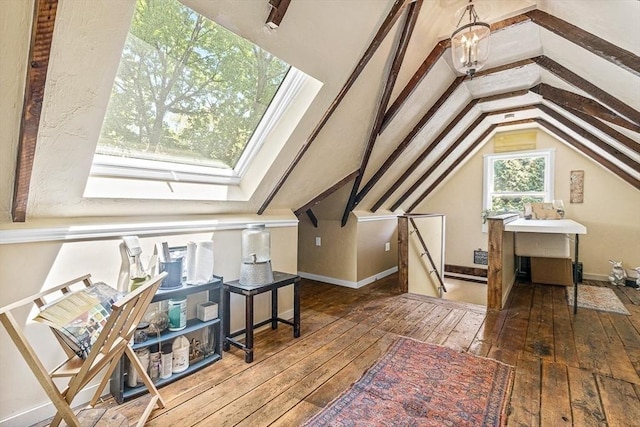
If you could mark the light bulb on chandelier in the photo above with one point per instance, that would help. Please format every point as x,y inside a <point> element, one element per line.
<point>470,43</point>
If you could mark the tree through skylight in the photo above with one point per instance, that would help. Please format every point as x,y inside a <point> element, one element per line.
<point>187,90</point>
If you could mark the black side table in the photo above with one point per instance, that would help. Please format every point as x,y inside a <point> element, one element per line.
<point>248,291</point>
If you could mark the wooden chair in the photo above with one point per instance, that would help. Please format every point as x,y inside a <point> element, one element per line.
<point>105,353</point>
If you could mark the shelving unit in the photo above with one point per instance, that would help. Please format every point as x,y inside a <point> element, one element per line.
<point>119,388</point>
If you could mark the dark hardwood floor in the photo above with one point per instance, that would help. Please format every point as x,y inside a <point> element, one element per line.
<point>578,370</point>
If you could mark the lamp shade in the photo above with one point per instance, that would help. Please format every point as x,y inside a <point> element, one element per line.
<point>470,44</point>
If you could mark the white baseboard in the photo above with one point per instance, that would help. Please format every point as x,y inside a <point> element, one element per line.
<point>48,410</point>
<point>347,283</point>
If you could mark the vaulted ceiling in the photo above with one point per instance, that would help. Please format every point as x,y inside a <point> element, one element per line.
<point>525,88</point>
<point>393,119</point>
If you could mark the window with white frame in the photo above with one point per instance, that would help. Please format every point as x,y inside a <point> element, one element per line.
<point>512,179</point>
<point>191,101</point>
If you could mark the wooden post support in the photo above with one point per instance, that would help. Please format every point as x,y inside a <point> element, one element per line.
<point>494,272</point>
<point>403,253</point>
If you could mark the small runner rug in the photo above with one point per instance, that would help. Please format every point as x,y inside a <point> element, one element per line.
<point>420,384</point>
<point>597,298</point>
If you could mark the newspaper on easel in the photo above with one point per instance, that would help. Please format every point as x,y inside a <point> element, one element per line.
<point>78,317</point>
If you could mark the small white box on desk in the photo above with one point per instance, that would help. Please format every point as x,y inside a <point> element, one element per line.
<point>207,311</point>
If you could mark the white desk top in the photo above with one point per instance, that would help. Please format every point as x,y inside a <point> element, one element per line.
<point>546,226</point>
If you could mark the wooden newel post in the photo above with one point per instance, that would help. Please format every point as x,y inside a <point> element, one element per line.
<point>403,253</point>
<point>494,270</point>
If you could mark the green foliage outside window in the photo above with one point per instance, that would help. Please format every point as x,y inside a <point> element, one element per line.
<point>519,175</point>
<point>517,181</point>
<point>187,90</point>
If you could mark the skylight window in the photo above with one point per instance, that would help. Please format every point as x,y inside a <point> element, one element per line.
<point>191,100</point>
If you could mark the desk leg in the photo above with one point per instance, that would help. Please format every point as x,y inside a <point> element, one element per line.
<point>296,309</point>
<point>575,278</point>
<point>226,319</point>
<point>274,308</point>
<point>248,340</point>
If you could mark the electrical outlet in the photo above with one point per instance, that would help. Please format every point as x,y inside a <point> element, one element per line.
<point>318,241</point>
<point>387,247</point>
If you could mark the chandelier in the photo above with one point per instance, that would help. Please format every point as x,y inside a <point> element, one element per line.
<point>470,43</point>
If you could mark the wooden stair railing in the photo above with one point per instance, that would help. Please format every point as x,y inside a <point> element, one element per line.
<point>404,252</point>
<point>426,252</point>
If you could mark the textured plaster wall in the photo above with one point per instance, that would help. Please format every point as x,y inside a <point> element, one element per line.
<point>372,257</point>
<point>336,257</point>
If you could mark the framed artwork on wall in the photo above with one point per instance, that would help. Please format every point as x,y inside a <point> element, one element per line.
<point>576,187</point>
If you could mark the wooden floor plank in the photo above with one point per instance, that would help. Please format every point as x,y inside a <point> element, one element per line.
<point>585,402</point>
<point>514,333</point>
<point>564,344</point>
<point>350,344</point>
<point>464,332</point>
<point>270,412</point>
<point>540,338</point>
<point>441,332</point>
<point>413,318</point>
<point>427,324</point>
<point>488,333</point>
<point>616,354</point>
<point>350,374</point>
<point>201,405</point>
<point>524,406</point>
<point>591,341</point>
<point>619,400</point>
<point>555,406</point>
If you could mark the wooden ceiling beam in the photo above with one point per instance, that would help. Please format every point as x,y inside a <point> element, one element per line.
<point>513,109</point>
<point>594,44</point>
<point>420,158</point>
<point>501,68</point>
<point>450,150</point>
<point>452,167</point>
<point>438,162</point>
<point>540,88</point>
<point>415,80</point>
<point>461,160</point>
<point>618,136</point>
<point>567,99</point>
<point>392,74</point>
<point>565,122</point>
<point>621,173</point>
<point>385,27</point>
<point>376,177</point>
<point>278,9</point>
<point>621,157</point>
<point>505,95</point>
<point>439,49</point>
<point>43,23</point>
<point>592,90</point>
<point>312,218</point>
<point>326,193</point>
<point>409,138</point>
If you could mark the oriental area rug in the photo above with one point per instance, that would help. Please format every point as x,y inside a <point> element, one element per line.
<point>420,384</point>
<point>597,298</point>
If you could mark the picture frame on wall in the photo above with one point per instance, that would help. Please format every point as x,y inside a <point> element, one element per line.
<point>576,186</point>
